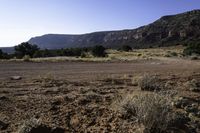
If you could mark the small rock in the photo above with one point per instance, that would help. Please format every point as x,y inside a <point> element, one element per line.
<point>15,77</point>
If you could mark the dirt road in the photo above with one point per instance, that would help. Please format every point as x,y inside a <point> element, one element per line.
<point>93,70</point>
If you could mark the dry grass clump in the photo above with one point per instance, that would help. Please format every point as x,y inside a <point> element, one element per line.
<point>150,83</point>
<point>193,85</point>
<point>149,109</point>
<point>26,58</point>
<point>33,126</point>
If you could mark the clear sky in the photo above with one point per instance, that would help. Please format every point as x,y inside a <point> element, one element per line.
<point>22,19</point>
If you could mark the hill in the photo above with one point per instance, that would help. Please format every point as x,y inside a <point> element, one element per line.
<point>168,30</point>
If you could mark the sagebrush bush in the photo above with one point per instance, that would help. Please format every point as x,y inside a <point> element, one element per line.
<point>28,125</point>
<point>150,109</point>
<point>150,83</point>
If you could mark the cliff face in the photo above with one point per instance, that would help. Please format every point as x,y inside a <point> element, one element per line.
<point>168,30</point>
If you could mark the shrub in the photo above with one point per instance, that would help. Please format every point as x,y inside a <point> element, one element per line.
<point>193,48</point>
<point>26,58</point>
<point>174,54</point>
<point>1,54</point>
<point>33,126</point>
<point>98,51</point>
<point>126,48</point>
<point>25,49</point>
<point>150,83</point>
<point>83,55</point>
<point>152,110</point>
<point>194,57</point>
<point>4,55</point>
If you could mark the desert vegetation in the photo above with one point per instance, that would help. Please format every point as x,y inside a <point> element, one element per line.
<point>125,53</point>
<point>192,49</point>
<point>33,51</point>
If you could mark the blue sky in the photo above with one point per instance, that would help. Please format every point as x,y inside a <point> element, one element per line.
<point>22,19</point>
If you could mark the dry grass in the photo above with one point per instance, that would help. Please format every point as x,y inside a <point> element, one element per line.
<point>28,125</point>
<point>150,83</point>
<point>149,109</point>
<point>114,55</point>
<point>175,51</point>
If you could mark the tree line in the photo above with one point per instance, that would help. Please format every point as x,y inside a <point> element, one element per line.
<point>33,51</point>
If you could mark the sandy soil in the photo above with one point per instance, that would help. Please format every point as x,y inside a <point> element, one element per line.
<point>78,96</point>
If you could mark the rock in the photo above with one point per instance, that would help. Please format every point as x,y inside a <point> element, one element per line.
<point>3,126</point>
<point>15,77</point>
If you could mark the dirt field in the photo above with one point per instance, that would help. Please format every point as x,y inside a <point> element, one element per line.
<point>78,96</point>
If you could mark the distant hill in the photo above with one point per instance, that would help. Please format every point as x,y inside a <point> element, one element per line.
<point>8,50</point>
<point>166,31</point>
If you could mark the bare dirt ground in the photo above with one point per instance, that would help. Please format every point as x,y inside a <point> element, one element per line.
<point>78,96</point>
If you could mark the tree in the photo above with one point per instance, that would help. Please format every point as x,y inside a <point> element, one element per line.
<point>4,55</point>
<point>25,49</point>
<point>126,48</point>
<point>1,54</point>
<point>193,48</point>
<point>98,51</point>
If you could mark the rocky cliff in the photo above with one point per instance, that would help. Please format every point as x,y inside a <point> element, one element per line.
<point>168,30</point>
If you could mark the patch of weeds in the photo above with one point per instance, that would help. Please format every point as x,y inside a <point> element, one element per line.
<point>152,110</point>
<point>150,83</point>
<point>33,126</point>
<point>193,85</point>
<point>26,58</point>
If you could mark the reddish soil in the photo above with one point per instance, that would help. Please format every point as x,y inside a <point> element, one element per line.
<point>77,96</point>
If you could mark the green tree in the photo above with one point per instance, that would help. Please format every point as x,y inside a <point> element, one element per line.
<point>25,49</point>
<point>1,54</point>
<point>4,55</point>
<point>193,48</point>
<point>126,48</point>
<point>98,51</point>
